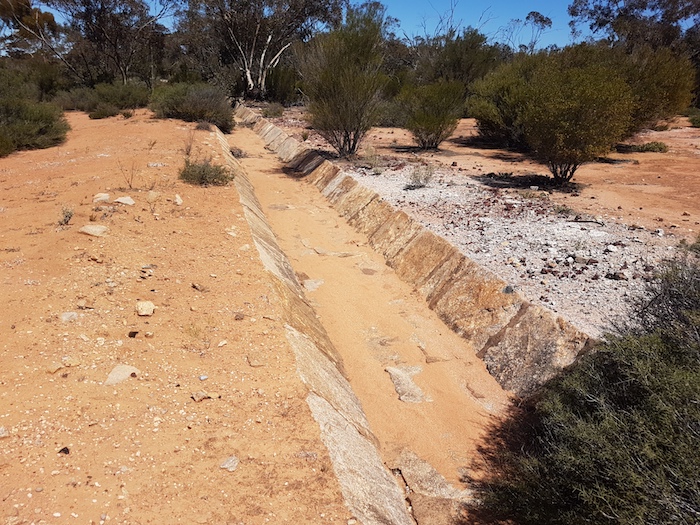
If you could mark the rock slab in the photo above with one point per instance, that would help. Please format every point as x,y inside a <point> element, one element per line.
<point>94,230</point>
<point>121,373</point>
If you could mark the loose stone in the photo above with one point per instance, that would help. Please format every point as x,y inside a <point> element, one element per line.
<point>230,464</point>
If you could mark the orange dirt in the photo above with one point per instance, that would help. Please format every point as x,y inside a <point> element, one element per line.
<point>73,450</point>
<point>144,451</point>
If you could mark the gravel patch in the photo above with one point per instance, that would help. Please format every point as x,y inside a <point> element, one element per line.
<point>581,267</point>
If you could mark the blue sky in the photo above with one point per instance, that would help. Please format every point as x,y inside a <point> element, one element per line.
<point>490,17</point>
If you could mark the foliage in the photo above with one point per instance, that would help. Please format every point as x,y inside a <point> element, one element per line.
<point>574,114</point>
<point>647,147</point>
<point>103,111</point>
<point>419,177</point>
<point>497,101</point>
<point>25,21</point>
<point>662,83</point>
<point>193,103</point>
<point>251,37</point>
<point>661,80</point>
<point>101,40</point>
<point>342,78</point>
<point>634,22</point>
<point>615,439</point>
<point>78,99</point>
<point>572,105</point>
<point>282,85</point>
<point>695,247</point>
<point>205,173</point>
<point>26,124</point>
<point>104,100</point>
<point>463,57</point>
<point>123,96</point>
<point>113,39</point>
<point>433,111</point>
<point>273,110</point>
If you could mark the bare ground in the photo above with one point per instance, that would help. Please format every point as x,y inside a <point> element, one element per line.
<point>216,377</point>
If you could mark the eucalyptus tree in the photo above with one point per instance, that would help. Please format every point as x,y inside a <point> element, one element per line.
<point>252,36</point>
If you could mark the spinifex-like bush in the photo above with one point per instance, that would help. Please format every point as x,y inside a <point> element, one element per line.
<point>205,173</point>
<point>26,124</point>
<point>433,111</point>
<point>194,103</point>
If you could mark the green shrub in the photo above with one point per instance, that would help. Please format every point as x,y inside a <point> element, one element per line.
<point>205,173</point>
<point>7,145</point>
<point>574,114</point>
<point>695,120</point>
<point>497,101</point>
<point>615,439</point>
<point>121,96</point>
<point>391,114</point>
<point>433,111</point>
<point>117,96</point>
<point>30,125</point>
<point>662,83</point>
<point>15,83</point>
<point>193,103</point>
<point>77,99</point>
<point>273,110</point>
<point>647,147</point>
<point>104,111</point>
<point>695,247</point>
<point>281,85</point>
<point>342,78</point>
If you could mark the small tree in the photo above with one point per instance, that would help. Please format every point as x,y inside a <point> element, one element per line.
<point>574,114</point>
<point>433,111</point>
<point>342,78</point>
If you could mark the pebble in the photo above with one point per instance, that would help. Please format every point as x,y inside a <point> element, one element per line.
<point>200,396</point>
<point>67,317</point>
<point>121,373</point>
<point>128,201</point>
<point>145,308</point>
<point>203,378</point>
<point>101,197</point>
<point>4,433</point>
<point>54,367</point>
<point>177,200</point>
<point>94,230</point>
<point>230,464</point>
<point>152,196</point>
<point>254,363</point>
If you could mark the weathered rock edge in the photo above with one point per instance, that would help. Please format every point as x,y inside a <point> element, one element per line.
<point>370,490</point>
<point>523,345</point>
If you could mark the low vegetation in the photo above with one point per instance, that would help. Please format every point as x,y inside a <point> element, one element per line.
<point>27,122</point>
<point>432,111</point>
<point>194,103</point>
<point>104,100</point>
<point>647,147</point>
<point>204,173</point>
<point>615,439</point>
